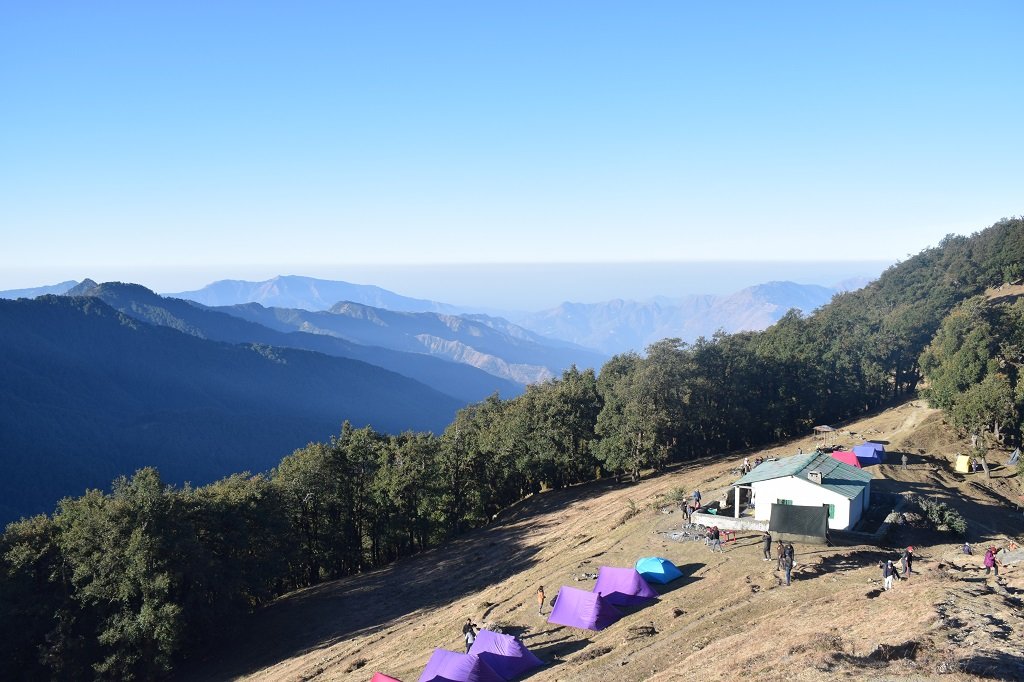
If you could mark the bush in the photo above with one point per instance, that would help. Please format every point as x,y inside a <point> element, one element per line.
<point>677,495</point>
<point>942,516</point>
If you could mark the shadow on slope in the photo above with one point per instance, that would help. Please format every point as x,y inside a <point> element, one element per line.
<point>323,615</point>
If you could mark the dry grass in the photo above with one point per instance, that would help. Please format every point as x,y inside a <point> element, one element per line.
<point>729,617</point>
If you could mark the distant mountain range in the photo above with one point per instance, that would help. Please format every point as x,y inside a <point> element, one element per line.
<point>61,288</point>
<point>584,333</point>
<point>460,380</point>
<point>491,344</point>
<point>617,326</point>
<point>308,293</point>
<point>90,393</point>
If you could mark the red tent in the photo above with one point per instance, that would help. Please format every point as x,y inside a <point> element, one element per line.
<point>847,457</point>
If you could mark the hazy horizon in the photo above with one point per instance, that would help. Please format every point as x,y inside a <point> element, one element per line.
<point>499,286</point>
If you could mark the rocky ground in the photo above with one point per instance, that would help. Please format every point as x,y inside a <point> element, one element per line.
<point>729,616</point>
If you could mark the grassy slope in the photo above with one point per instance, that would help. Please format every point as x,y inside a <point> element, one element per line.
<point>730,615</point>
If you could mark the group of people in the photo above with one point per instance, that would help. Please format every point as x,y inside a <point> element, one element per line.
<point>692,505</point>
<point>787,556</point>
<point>891,573</point>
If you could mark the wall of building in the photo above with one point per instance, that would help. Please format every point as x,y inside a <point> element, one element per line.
<point>803,492</point>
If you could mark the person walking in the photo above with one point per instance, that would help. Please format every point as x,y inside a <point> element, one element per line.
<point>767,546</point>
<point>888,571</point>
<point>469,633</point>
<point>716,539</point>
<point>540,600</point>
<point>990,561</point>
<point>907,561</point>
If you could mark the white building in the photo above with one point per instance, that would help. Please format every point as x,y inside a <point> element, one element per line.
<point>809,480</point>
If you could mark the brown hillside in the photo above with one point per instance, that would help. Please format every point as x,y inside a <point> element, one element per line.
<point>729,617</point>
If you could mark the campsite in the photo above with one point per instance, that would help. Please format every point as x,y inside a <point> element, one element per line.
<point>727,614</point>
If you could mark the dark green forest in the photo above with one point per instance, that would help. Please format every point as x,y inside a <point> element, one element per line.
<point>131,583</point>
<point>89,393</point>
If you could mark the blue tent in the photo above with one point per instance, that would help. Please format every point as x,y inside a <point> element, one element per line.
<point>869,453</point>
<point>655,569</point>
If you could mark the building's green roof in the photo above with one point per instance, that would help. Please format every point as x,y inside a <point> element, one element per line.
<point>836,476</point>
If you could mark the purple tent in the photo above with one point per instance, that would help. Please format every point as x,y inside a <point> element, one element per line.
<point>505,654</point>
<point>580,609</point>
<point>869,453</point>
<point>623,586</point>
<point>450,666</point>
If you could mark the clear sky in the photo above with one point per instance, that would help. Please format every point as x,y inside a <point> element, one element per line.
<point>230,138</point>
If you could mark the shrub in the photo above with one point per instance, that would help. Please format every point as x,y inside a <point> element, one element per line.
<point>942,516</point>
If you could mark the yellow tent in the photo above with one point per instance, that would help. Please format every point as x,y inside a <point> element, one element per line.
<point>963,464</point>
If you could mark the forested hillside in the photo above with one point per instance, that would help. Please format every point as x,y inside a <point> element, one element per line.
<point>75,601</point>
<point>89,393</point>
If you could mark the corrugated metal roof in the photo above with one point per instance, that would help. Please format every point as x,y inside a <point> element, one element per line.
<point>836,476</point>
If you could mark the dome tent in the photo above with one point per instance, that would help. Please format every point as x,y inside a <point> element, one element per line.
<point>656,569</point>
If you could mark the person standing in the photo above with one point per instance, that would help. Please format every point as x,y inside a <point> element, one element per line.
<point>469,633</point>
<point>767,546</point>
<point>540,600</point>
<point>990,561</point>
<point>782,555</point>
<point>888,570</point>
<point>904,460</point>
<point>907,561</point>
<point>787,566</point>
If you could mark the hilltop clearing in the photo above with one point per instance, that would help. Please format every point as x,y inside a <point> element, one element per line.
<point>729,615</point>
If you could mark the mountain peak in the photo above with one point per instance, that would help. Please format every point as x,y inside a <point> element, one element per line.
<point>82,288</point>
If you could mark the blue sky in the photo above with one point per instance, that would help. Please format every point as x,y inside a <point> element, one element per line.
<point>174,143</point>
